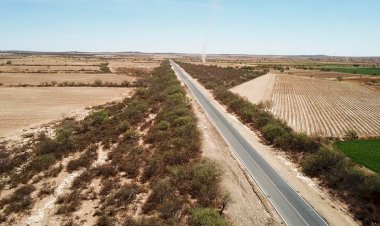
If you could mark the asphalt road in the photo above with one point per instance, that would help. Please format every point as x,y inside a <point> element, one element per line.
<point>292,208</point>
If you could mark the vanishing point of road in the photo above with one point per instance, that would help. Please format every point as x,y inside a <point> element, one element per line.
<point>292,208</point>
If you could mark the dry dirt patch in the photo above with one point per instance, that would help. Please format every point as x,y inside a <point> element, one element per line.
<point>36,79</point>
<point>24,107</point>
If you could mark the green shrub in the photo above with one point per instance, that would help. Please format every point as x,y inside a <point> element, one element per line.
<point>163,125</point>
<point>323,162</point>
<point>206,217</point>
<point>65,139</point>
<point>98,117</point>
<point>124,126</point>
<point>272,131</point>
<point>161,190</point>
<point>46,145</point>
<point>131,135</point>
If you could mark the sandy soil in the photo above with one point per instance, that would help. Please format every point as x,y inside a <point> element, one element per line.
<point>367,82</point>
<point>334,212</point>
<point>43,212</point>
<point>38,78</point>
<point>319,106</point>
<point>262,87</point>
<point>23,108</point>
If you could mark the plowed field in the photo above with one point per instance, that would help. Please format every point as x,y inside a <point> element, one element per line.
<point>317,106</point>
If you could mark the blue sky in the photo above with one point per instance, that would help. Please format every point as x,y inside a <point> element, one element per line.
<point>334,27</point>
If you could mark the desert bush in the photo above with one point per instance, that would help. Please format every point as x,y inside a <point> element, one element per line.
<point>69,203</point>
<point>163,125</point>
<point>46,145</point>
<point>323,162</point>
<point>1,84</point>
<point>136,72</point>
<point>131,135</point>
<point>98,83</point>
<point>124,195</point>
<point>273,130</point>
<point>171,208</point>
<point>9,162</point>
<point>104,220</point>
<point>40,163</point>
<point>20,200</point>
<point>83,179</point>
<point>46,190</point>
<point>8,62</point>
<point>206,217</point>
<point>161,190</point>
<point>103,68</point>
<point>299,142</point>
<point>350,135</point>
<point>97,118</point>
<point>124,126</point>
<point>104,171</point>
<point>83,161</point>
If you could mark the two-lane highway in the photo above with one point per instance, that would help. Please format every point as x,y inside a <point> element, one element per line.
<point>292,208</point>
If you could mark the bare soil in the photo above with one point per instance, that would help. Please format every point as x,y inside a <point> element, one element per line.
<point>320,74</point>
<point>38,78</point>
<point>25,107</point>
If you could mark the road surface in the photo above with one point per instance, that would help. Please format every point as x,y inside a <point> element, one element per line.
<point>292,208</point>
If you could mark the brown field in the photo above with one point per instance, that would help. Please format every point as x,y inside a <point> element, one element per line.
<point>318,106</point>
<point>38,78</point>
<point>75,63</point>
<point>22,107</point>
<point>320,74</point>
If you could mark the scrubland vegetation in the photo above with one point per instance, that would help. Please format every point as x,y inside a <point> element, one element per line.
<point>96,83</point>
<point>359,188</point>
<point>153,173</point>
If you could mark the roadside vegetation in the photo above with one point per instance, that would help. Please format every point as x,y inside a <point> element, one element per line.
<point>359,188</point>
<point>143,153</point>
